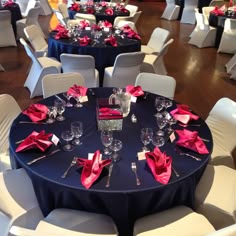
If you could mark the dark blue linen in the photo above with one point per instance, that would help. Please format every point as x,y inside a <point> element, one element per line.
<point>124,201</point>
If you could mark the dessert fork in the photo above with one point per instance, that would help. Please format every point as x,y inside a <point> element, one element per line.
<point>134,169</point>
<point>73,162</point>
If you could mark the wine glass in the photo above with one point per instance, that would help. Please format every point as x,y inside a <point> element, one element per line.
<point>106,138</point>
<point>146,137</point>
<point>161,123</point>
<point>52,113</point>
<point>158,141</point>
<point>78,104</point>
<point>60,106</point>
<point>171,121</point>
<point>116,146</point>
<point>67,136</point>
<point>158,105</point>
<point>77,130</point>
<point>68,97</point>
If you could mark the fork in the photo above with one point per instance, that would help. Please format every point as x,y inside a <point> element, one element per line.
<point>189,155</point>
<point>186,125</point>
<point>73,162</point>
<point>134,169</point>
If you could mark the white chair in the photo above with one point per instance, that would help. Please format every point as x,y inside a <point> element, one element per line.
<point>228,39</point>
<point>132,9</point>
<point>7,37</point>
<point>155,63</point>
<point>9,111</point>
<point>218,3</point>
<point>83,16</point>
<point>156,41</point>
<point>174,221</point>
<point>30,4</point>
<point>188,15</point>
<point>45,8</point>
<point>31,19</point>
<point>18,203</point>
<point>123,23</point>
<point>58,83</point>
<point>206,12</point>
<point>215,196</point>
<point>62,7</point>
<point>158,84</point>
<point>125,70</point>
<point>203,35</point>
<point>231,64</point>
<point>59,17</point>
<point>83,64</point>
<point>22,4</point>
<point>40,66</point>
<point>39,44</point>
<point>222,123</point>
<point>171,11</point>
<point>67,222</point>
<point>134,18</point>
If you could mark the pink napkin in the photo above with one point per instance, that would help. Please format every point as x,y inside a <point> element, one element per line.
<point>36,112</point>
<point>77,91</point>
<point>218,12</point>
<point>160,165</point>
<point>111,40</point>
<point>135,91</point>
<point>75,7</point>
<point>90,10</point>
<point>96,27</point>
<point>104,3</point>
<point>35,141</point>
<point>106,24</point>
<point>9,3</point>
<point>106,113</point>
<point>231,3</point>
<point>130,33</point>
<point>183,114</point>
<point>91,169</point>
<point>109,11</point>
<point>84,41</point>
<point>84,23</point>
<point>62,32</point>
<point>191,140</point>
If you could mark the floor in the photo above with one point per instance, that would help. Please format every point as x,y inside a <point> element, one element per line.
<point>200,73</point>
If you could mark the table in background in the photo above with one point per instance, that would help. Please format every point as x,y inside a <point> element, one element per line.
<point>15,14</point>
<point>104,55</point>
<point>124,201</point>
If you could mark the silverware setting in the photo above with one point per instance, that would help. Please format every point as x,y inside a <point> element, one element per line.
<point>109,175</point>
<point>134,169</point>
<point>175,171</point>
<point>189,155</point>
<point>186,125</point>
<point>91,91</point>
<point>73,162</point>
<point>31,122</point>
<point>145,96</point>
<point>39,158</point>
<point>205,140</point>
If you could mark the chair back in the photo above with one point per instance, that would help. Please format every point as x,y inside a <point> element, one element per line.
<point>218,3</point>
<point>132,9</point>
<point>201,21</point>
<point>230,25</point>
<point>83,64</point>
<point>83,16</point>
<point>123,23</point>
<point>206,12</point>
<point>191,4</point>
<point>9,111</point>
<point>59,16</point>
<point>158,84</point>
<point>58,83</point>
<point>170,2</point>
<point>158,38</point>
<point>62,7</point>
<point>33,34</point>
<point>136,16</point>
<point>32,17</point>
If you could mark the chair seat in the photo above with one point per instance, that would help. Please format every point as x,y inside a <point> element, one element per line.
<point>48,61</point>
<point>148,50</point>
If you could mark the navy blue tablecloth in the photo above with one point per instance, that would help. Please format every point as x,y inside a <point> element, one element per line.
<point>104,55</point>
<point>124,201</point>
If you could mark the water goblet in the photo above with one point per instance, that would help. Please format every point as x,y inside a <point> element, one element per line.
<point>171,121</point>
<point>77,130</point>
<point>67,136</point>
<point>158,141</point>
<point>52,113</point>
<point>60,106</point>
<point>146,137</point>
<point>158,105</point>
<point>106,138</point>
<point>78,103</point>
<point>68,97</point>
<point>116,146</point>
<point>161,123</point>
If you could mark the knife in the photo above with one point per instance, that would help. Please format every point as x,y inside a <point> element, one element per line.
<point>109,175</point>
<point>39,158</point>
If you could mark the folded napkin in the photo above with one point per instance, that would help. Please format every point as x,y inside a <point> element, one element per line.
<point>106,113</point>
<point>111,40</point>
<point>191,140</point>
<point>218,11</point>
<point>84,41</point>
<point>160,165</point>
<point>62,32</point>
<point>104,3</point>
<point>135,91</point>
<point>35,141</point>
<point>9,3</point>
<point>75,7</point>
<point>122,9</point>
<point>106,24</point>
<point>182,113</point>
<point>96,27</point>
<point>77,91</point>
<point>109,11</point>
<point>133,35</point>
<point>91,169</point>
<point>36,112</point>
<point>84,23</point>
<point>90,10</point>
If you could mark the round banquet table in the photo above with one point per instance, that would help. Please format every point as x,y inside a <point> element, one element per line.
<point>124,201</point>
<point>104,55</point>
<point>101,15</point>
<point>15,14</point>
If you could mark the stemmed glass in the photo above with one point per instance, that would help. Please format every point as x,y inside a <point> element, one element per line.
<point>158,105</point>
<point>158,141</point>
<point>106,138</point>
<point>52,113</point>
<point>116,146</point>
<point>67,136</point>
<point>77,130</point>
<point>146,137</point>
<point>161,123</point>
<point>68,97</point>
<point>60,106</point>
<point>78,104</point>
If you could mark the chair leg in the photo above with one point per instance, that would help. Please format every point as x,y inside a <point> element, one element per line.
<point>1,68</point>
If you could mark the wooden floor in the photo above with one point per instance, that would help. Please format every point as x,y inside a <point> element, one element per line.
<point>200,73</point>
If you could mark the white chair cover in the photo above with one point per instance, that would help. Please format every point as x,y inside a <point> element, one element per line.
<point>83,16</point>
<point>58,83</point>
<point>132,9</point>
<point>83,64</point>
<point>123,23</point>
<point>158,84</point>
<point>188,15</point>
<point>125,70</point>
<point>30,4</point>
<point>7,37</point>
<point>218,3</point>
<point>231,64</point>
<point>60,17</point>
<point>45,8</point>
<point>171,11</point>
<point>62,7</point>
